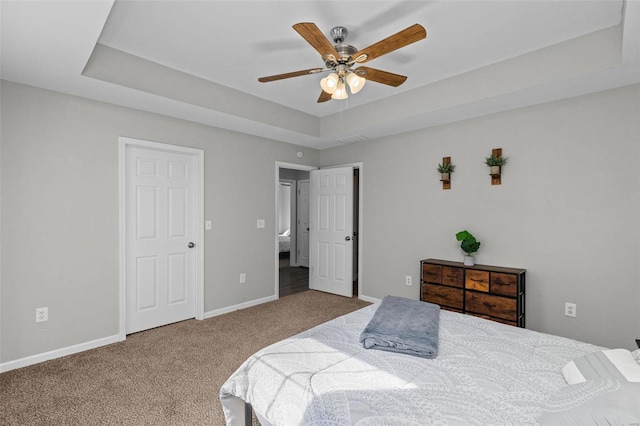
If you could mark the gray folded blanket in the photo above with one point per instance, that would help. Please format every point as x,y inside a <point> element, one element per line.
<point>404,326</point>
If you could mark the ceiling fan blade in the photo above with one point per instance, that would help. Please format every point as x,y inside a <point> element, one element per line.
<point>380,76</point>
<point>324,97</point>
<point>289,75</point>
<point>310,32</point>
<point>405,37</point>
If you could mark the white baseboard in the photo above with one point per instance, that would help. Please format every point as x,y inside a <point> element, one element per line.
<point>243,305</point>
<point>370,299</point>
<point>58,353</point>
<point>69,350</point>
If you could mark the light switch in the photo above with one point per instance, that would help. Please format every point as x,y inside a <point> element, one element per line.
<point>207,225</point>
<point>260,223</point>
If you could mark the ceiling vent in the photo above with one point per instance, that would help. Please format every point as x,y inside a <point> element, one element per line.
<point>352,139</point>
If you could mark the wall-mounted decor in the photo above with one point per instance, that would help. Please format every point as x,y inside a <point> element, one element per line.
<point>445,169</point>
<point>495,163</point>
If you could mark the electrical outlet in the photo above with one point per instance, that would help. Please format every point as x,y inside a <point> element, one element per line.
<point>243,278</point>
<point>207,225</point>
<point>42,314</point>
<point>570,309</point>
<point>260,223</point>
<point>407,280</point>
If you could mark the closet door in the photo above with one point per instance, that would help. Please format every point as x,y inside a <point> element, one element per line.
<point>161,235</point>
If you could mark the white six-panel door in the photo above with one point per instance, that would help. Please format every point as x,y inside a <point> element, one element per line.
<point>331,231</point>
<point>161,224</point>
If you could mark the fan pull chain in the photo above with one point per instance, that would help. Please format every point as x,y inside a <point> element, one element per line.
<point>346,101</point>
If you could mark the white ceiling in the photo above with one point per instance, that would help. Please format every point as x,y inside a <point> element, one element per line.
<point>230,44</point>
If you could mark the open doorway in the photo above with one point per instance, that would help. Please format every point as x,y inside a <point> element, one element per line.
<point>293,231</point>
<point>291,266</point>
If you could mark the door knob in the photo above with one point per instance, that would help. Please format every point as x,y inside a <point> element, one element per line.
<point>347,238</point>
<point>191,245</point>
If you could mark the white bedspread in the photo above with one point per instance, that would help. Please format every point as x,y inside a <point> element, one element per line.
<point>485,373</point>
<point>284,243</point>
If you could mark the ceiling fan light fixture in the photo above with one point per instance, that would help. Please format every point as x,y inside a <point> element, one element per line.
<point>355,82</point>
<point>339,58</point>
<point>330,83</point>
<point>341,91</point>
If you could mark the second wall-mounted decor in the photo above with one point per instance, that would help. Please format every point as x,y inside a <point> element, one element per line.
<point>495,163</point>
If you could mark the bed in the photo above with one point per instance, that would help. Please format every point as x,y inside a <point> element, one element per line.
<point>284,242</point>
<point>484,373</point>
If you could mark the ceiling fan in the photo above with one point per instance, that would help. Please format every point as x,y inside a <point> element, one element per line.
<point>341,58</point>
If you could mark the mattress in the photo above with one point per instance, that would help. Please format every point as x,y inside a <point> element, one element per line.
<point>485,373</point>
<point>284,243</point>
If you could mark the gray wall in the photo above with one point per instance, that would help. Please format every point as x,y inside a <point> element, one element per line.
<point>59,214</point>
<point>293,174</point>
<point>560,213</point>
<point>567,210</point>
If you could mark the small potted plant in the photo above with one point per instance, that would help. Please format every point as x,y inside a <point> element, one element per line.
<point>495,163</point>
<point>445,170</point>
<point>469,245</point>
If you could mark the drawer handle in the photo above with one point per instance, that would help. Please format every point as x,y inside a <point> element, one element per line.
<point>488,305</point>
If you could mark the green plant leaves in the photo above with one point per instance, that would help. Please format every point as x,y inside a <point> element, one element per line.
<point>446,168</point>
<point>468,244</point>
<point>494,160</point>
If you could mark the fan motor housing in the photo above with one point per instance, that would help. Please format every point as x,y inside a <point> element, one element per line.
<point>346,52</point>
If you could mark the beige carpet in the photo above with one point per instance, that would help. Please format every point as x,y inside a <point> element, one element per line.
<point>166,376</point>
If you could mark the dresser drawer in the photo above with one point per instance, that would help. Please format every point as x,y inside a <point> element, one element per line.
<point>477,280</point>
<point>453,276</point>
<point>495,306</point>
<point>432,273</point>
<point>442,295</point>
<point>505,284</point>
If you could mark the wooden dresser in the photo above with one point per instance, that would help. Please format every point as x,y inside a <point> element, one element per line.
<point>491,292</point>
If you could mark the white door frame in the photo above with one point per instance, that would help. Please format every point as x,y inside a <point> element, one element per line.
<point>125,142</point>
<point>360,167</point>
<point>283,165</point>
